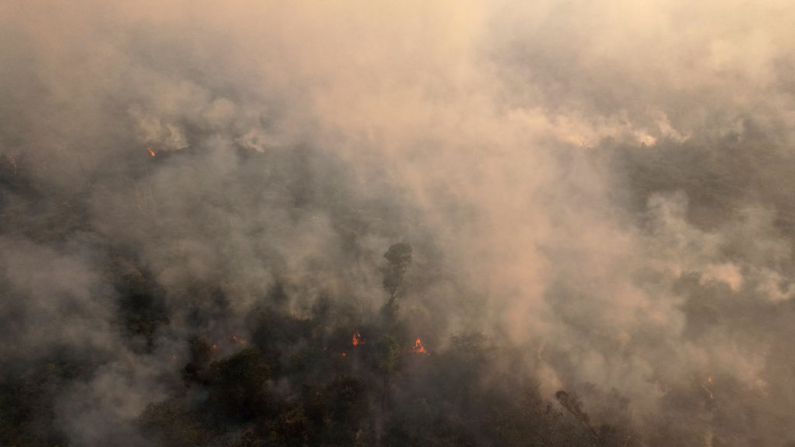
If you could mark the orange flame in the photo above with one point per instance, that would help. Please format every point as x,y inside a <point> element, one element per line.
<point>151,151</point>
<point>419,348</point>
<point>215,346</point>
<point>709,379</point>
<point>357,339</point>
<point>343,354</point>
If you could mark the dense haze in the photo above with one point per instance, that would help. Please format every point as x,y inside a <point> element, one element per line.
<point>600,192</point>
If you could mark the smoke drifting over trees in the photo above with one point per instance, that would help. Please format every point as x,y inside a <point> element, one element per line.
<point>414,223</point>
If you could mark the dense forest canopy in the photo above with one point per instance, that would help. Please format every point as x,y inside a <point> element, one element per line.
<point>351,223</point>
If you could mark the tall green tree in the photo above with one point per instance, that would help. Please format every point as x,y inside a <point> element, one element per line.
<point>398,260</point>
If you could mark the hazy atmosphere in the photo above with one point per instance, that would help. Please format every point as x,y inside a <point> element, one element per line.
<point>416,223</point>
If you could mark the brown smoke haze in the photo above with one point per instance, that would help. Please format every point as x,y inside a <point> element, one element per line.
<point>606,190</point>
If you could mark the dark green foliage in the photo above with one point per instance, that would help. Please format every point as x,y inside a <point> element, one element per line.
<point>27,416</point>
<point>349,398</point>
<point>386,356</point>
<point>249,439</point>
<point>398,259</point>
<point>200,355</point>
<point>290,428</point>
<point>238,385</point>
<point>170,423</point>
<point>141,303</point>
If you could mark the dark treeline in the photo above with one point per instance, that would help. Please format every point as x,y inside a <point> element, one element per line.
<point>335,377</point>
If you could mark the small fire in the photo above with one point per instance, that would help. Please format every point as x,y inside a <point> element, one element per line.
<point>343,354</point>
<point>709,392</point>
<point>357,339</point>
<point>236,340</point>
<point>419,348</point>
<point>151,151</point>
<point>215,346</point>
<point>325,347</point>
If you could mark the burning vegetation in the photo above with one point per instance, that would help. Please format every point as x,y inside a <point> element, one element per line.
<point>419,348</point>
<point>357,339</point>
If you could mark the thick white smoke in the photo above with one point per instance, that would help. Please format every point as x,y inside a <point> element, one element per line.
<point>611,180</point>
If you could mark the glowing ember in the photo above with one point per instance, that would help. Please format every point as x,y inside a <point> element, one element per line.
<point>151,151</point>
<point>419,348</point>
<point>357,339</point>
<point>215,346</point>
<point>709,379</point>
<point>343,354</point>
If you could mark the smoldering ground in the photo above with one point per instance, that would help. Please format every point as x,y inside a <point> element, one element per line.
<point>602,190</point>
